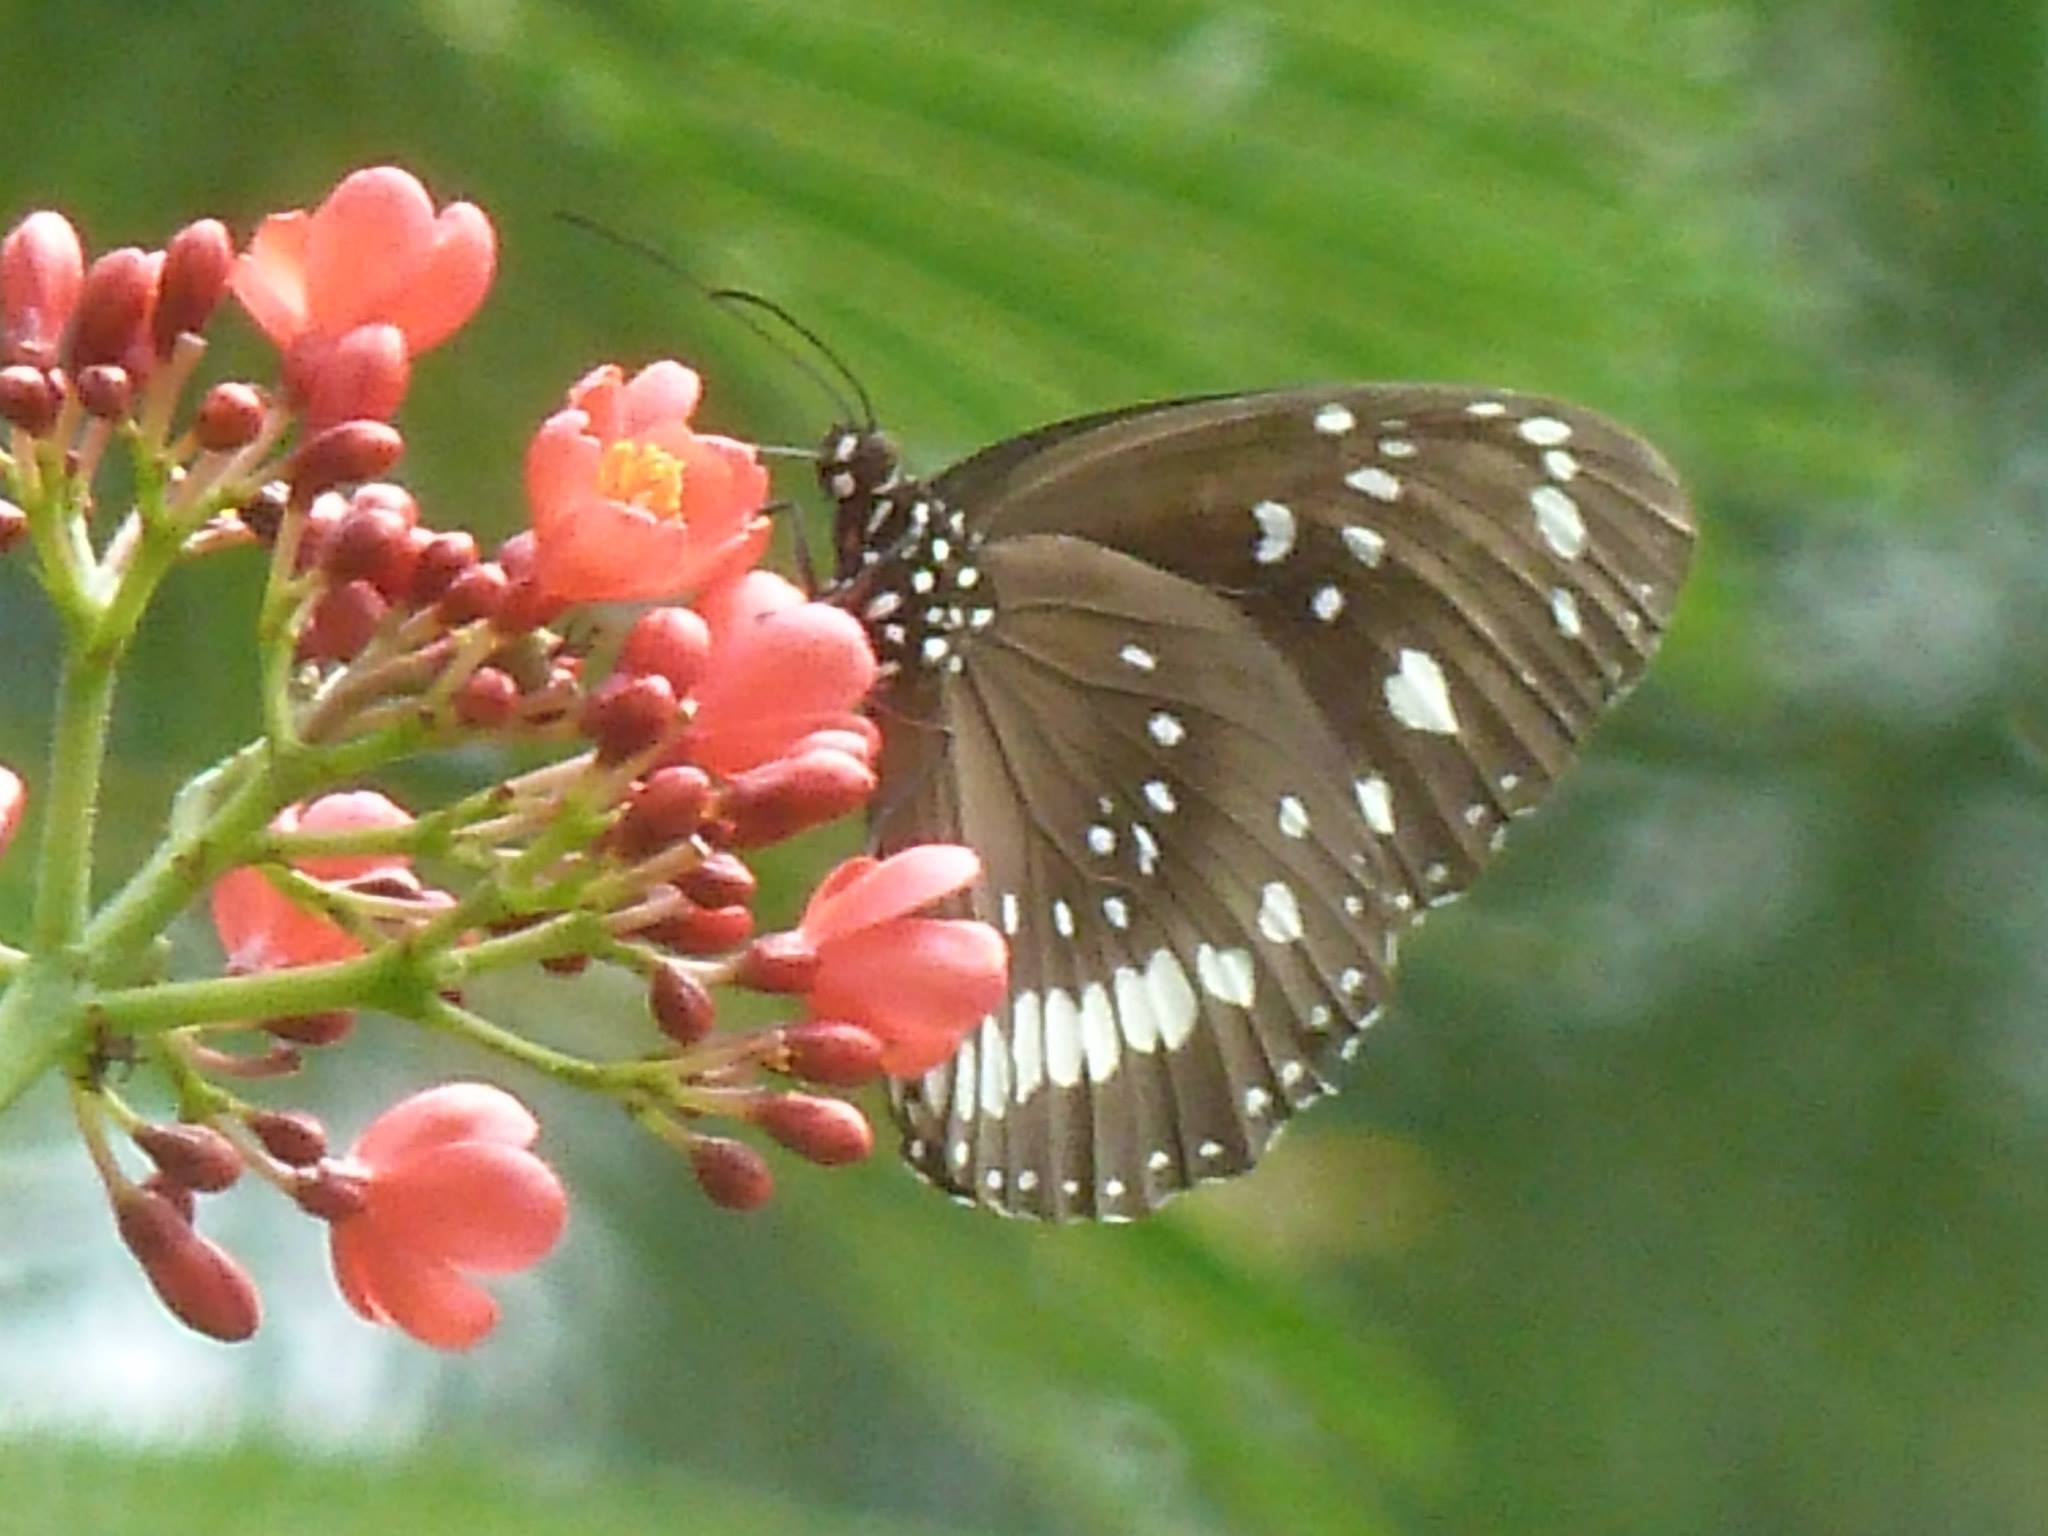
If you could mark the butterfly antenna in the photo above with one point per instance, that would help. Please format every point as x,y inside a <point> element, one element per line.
<point>742,296</point>
<point>828,383</point>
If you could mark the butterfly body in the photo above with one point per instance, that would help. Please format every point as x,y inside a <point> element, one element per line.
<point>1227,693</point>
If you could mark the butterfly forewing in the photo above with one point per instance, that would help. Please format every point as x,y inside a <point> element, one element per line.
<point>1226,693</point>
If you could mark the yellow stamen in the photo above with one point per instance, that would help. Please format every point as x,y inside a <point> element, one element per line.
<point>648,477</point>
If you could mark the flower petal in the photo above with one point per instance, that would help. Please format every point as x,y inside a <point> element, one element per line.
<point>453,1112</point>
<point>898,886</point>
<point>367,244</point>
<point>346,1245</point>
<point>773,679</point>
<point>262,929</point>
<point>477,1205</point>
<point>452,281</point>
<point>432,1301</point>
<point>910,978</point>
<point>360,810</point>
<point>270,277</point>
<point>661,393</point>
<point>562,465</point>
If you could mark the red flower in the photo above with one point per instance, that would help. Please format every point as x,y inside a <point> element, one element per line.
<point>629,503</point>
<point>448,1189</point>
<point>369,280</point>
<point>782,669</point>
<point>918,984</point>
<point>262,929</point>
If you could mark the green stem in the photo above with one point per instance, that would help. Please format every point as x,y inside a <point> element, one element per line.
<point>607,1077</point>
<point>373,980</point>
<point>85,699</point>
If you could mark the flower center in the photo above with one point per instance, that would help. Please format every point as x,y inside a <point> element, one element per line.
<point>643,476</point>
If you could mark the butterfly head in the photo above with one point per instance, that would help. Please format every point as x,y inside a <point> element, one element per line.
<point>858,467</point>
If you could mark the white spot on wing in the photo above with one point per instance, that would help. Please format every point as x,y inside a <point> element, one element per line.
<point>1137,656</point>
<point>1159,795</point>
<point>1027,1044</point>
<point>1293,817</point>
<point>1373,481</point>
<point>1100,1045</point>
<point>995,1071</point>
<point>1012,914</point>
<point>1276,532</point>
<point>1063,1055</point>
<point>1334,420</point>
<point>1376,804</point>
<point>1486,408</point>
<point>1147,846</point>
<point>1063,918</point>
<point>1326,604</point>
<point>1166,729</point>
<point>1174,1005</point>
<point>1418,696</point>
<point>1117,912</point>
<point>1226,974</point>
<point>1279,913</point>
<point>1368,546</point>
<point>1558,520</point>
<point>1101,840</point>
<point>1565,609</point>
<point>1560,465</point>
<point>1544,431</point>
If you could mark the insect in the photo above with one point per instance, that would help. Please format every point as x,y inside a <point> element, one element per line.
<point>1228,693</point>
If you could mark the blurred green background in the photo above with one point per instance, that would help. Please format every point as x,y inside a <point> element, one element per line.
<point>1697,1183</point>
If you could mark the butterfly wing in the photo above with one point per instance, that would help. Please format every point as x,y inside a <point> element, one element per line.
<point>1264,678</point>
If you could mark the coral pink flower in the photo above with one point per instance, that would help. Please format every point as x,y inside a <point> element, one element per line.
<point>629,503</point>
<point>262,929</point>
<point>918,984</point>
<point>449,1189</point>
<point>42,270</point>
<point>782,668</point>
<point>367,281</point>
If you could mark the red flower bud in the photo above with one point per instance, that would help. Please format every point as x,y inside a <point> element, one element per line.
<point>791,794</point>
<point>197,1156</point>
<point>113,307</point>
<point>681,1004</point>
<point>313,1028</point>
<point>342,621</point>
<point>42,268</point>
<point>779,962</point>
<point>674,642</point>
<point>667,807</point>
<point>195,274</point>
<point>353,450</point>
<point>331,1192</point>
<point>702,930</point>
<point>842,1055</point>
<point>830,1132</point>
<point>362,375</point>
<point>443,558</point>
<point>731,1173</point>
<point>292,1136</point>
<point>476,593</point>
<point>104,390</point>
<point>629,715</point>
<point>185,1202</point>
<point>722,880</point>
<point>487,698</point>
<point>203,1287</point>
<point>28,398</point>
<point>229,417</point>
<point>371,543</point>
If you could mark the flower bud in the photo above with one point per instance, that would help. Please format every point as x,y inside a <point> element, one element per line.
<point>702,930</point>
<point>181,1198</point>
<point>13,524</point>
<point>681,1004</point>
<point>293,1137</point>
<point>104,391</point>
<point>371,543</point>
<point>197,1156</point>
<point>229,417</point>
<point>363,376</point>
<point>667,807</point>
<point>203,1287</point>
<point>629,715</point>
<point>841,1055</point>
<point>330,1191</point>
<point>476,593</point>
<point>721,880</point>
<point>113,307</point>
<point>28,399</point>
<point>673,642</point>
<point>837,739</point>
<point>342,621</point>
<point>792,794</point>
<point>779,962</point>
<point>731,1173</point>
<point>488,697</point>
<point>13,801</point>
<point>350,451</point>
<point>313,1028</point>
<point>42,269</point>
<point>830,1132</point>
<point>195,274</point>
<point>443,558</point>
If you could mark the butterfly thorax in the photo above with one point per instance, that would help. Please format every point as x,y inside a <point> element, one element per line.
<point>904,561</point>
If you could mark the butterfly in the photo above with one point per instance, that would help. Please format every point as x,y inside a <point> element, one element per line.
<point>1228,693</point>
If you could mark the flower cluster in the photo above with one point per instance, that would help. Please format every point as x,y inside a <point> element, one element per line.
<point>721,717</point>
